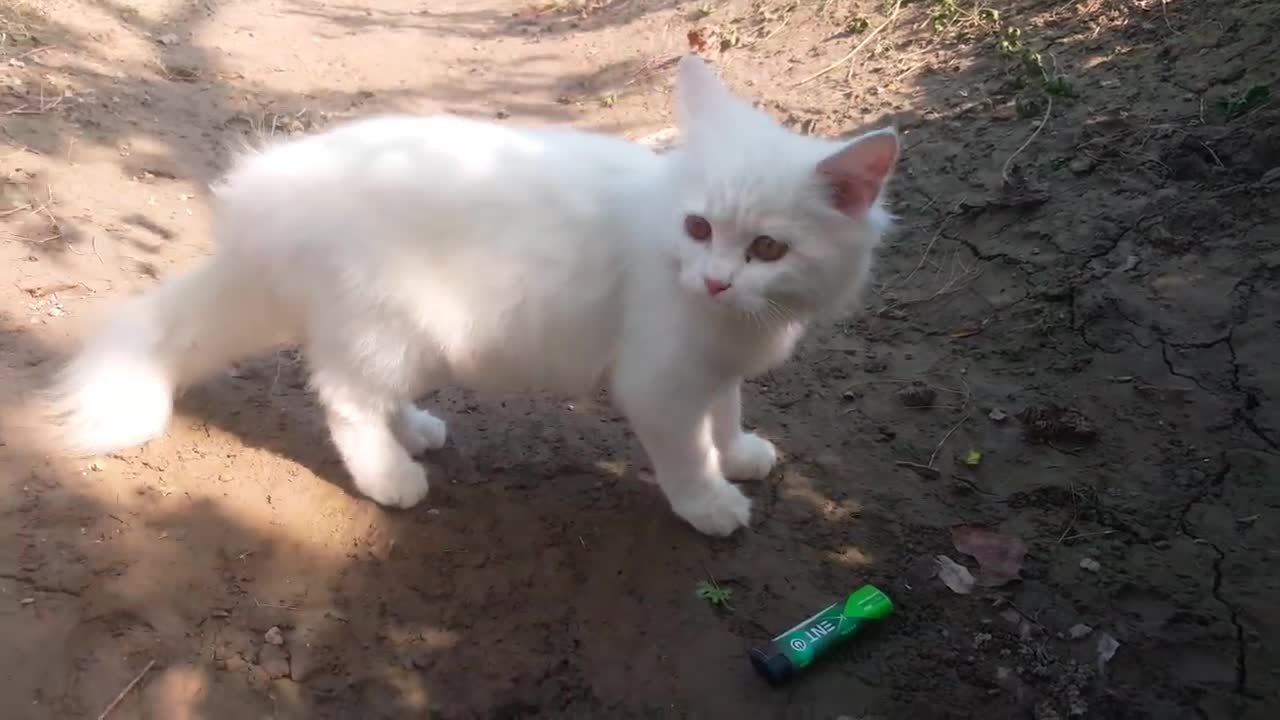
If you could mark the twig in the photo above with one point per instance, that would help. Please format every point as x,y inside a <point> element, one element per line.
<point>775,31</point>
<point>1164,11</point>
<point>1075,512</point>
<point>44,107</point>
<point>1079,536</point>
<point>927,249</point>
<point>1214,154</point>
<point>849,56</point>
<point>943,441</point>
<point>31,52</point>
<point>126,690</point>
<point>929,470</point>
<point>1004,171</point>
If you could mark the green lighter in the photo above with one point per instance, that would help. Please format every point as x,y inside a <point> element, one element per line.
<point>795,649</point>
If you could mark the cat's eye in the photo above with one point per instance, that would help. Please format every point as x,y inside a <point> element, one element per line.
<point>766,249</point>
<point>697,227</point>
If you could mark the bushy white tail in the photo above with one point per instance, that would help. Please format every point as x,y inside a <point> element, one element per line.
<point>118,391</point>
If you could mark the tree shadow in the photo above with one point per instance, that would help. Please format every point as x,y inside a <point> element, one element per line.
<point>506,592</point>
<point>532,20</point>
<point>209,112</point>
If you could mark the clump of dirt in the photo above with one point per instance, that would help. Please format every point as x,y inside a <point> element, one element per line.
<point>917,395</point>
<point>1050,423</point>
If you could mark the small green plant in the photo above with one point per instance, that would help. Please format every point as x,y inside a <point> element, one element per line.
<point>711,591</point>
<point>1059,87</point>
<point>945,12</point>
<point>1255,97</point>
<point>1010,44</point>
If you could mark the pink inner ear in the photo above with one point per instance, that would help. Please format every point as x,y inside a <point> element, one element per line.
<point>858,172</point>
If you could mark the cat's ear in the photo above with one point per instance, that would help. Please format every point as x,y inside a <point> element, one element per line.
<point>699,93</point>
<point>857,173</point>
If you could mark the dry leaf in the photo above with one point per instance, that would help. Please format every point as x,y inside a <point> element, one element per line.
<point>999,555</point>
<point>955,576</point>
<point>1107,647</point>
<point>697,42</point>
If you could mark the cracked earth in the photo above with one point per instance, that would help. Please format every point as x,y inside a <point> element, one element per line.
<point>1083,283</point>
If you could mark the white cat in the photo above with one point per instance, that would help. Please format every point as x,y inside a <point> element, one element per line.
<point>404,254</point>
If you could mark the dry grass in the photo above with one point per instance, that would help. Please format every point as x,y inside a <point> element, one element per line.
<point>19,21</point>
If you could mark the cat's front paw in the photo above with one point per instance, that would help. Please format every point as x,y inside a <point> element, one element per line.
<point>750,457</point>
<point>720,512</point>
<point>402,486</point>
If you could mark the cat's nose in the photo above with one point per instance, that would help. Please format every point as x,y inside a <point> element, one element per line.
<point>715,287</point>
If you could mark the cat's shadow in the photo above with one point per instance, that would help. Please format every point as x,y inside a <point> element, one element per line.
<point>266,404</point>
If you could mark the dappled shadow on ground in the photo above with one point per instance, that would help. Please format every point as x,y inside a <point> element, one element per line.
<point>182,107</point>
<point>1100,245</point>
<point>478,21</point>
<point>516,587</point>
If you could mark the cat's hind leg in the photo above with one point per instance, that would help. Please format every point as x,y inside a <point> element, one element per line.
<point>380,466</point>
<point>418,430</point>
<point>365,397</point>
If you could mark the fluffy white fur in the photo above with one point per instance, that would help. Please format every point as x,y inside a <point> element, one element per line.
<point>404,254</point>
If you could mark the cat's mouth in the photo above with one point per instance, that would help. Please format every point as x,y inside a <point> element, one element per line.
<point>763,312</point>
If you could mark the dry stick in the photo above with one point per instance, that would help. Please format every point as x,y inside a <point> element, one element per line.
<point>855,49</point>
<point>1214,154</point>
<point>1164,10</point>
<point>943,441</point>
<point>928,248</point>
<point>1004,171</point>
<point>126,690</point>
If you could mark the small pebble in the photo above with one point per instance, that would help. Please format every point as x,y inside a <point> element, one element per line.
<point>1078,631</point>
<point>273,636</point>
<point>1091,565</point>
<point>1081,165</point>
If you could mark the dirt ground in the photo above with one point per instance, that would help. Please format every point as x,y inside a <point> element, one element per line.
<point>1068,341</point>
